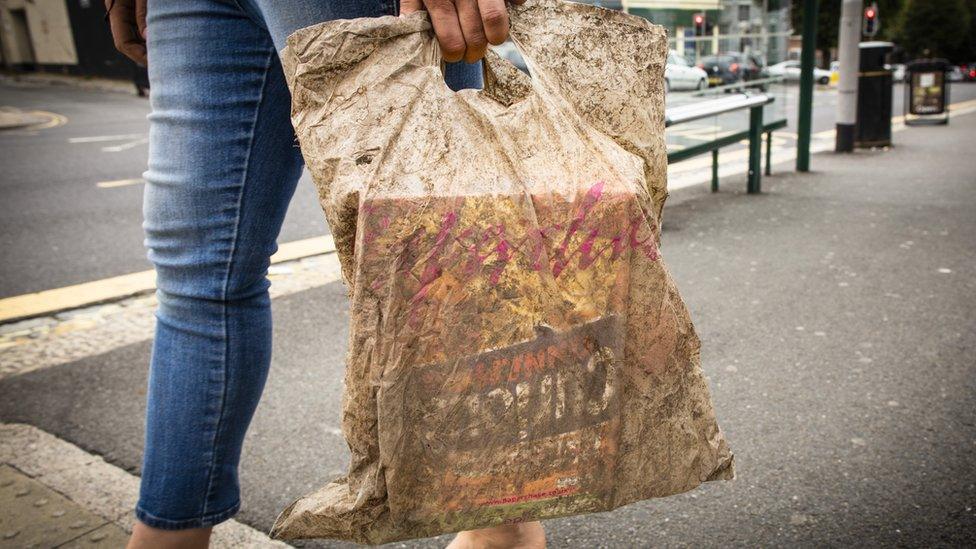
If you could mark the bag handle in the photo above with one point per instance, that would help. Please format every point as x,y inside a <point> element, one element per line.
<point>606,65</point>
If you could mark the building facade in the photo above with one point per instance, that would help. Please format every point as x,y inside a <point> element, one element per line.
<point>71,36</point>
<point>68,36</point>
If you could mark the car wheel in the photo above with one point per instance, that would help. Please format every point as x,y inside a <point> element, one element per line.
<point>702,84</point>
<point>824,81</point>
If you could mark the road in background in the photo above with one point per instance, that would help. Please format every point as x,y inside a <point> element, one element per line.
<point>785,106</point>
<point>72,207</point>
<point>72,194</point>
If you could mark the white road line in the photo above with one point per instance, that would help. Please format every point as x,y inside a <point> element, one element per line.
<point>126,146</point>
<point>120,183</point>
<point>103,138</point>
<point>96,485</point>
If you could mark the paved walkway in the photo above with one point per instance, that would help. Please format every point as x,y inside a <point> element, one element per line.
<point>837,316</point>
<point>54,494</point>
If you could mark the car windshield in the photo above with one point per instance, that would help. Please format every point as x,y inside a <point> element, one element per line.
<point>716,59</point>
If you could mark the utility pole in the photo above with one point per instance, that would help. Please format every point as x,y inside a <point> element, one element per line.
<point>765,32</point>
<point>849,36</point>
<point>806,85</point>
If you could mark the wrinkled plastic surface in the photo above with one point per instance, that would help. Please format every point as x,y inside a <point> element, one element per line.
<point>518,349</point>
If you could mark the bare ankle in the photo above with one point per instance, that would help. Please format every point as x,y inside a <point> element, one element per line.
<point>527,535</point>
<point>146,537</point>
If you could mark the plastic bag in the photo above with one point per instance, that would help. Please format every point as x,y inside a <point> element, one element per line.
<point>518,350</point>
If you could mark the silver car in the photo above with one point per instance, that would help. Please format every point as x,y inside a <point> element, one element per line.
<point>790,70</point>
<point>679,74</point>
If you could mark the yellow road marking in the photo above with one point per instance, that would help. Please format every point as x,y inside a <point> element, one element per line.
<point>117,287</point>
<point>54,120</point>
<point>120,183</point>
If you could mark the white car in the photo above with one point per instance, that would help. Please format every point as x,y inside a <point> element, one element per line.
<point>679,74</point>
<point>790,70</point>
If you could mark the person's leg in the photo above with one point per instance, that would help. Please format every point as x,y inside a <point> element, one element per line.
<point>525,535</point>
<point>223,166</point>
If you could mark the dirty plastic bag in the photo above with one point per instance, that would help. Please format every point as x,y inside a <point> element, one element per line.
<point>518,350</point>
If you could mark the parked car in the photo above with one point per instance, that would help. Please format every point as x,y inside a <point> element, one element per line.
<point>679,74</point>
<point>955,74</point>
<point>790,70</point>
<point>968,72</point>
<point>731,67</point>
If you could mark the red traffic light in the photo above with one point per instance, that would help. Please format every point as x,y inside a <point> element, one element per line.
<point>870,13</point>
<point>699,19</point>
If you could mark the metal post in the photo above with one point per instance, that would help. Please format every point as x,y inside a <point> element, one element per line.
<point>769,153</point>
<point>715,170</point>
<point>765,31</point>
<point>755,149</point>
<point>805,113</point>
<point>849,35</point>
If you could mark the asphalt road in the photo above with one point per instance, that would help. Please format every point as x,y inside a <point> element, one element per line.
<point>58,227</point>
<point>836,314</point>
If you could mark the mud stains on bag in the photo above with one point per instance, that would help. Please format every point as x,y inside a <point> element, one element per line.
<point>518,349</point>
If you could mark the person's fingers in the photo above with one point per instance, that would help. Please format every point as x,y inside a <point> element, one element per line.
<point>495,20</point>
<point>141,18</point>
<point>135,51</point>
<point>444,19</point>
<point>474,33</point>
<point>122,22</point>
<point>409,6</point>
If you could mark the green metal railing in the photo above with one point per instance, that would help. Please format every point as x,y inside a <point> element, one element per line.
<point>705,109</point>
<point>741,86</point>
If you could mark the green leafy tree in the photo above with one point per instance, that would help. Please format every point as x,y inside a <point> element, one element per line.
<point>942,28</point>
<point>969,56</point>
<point>828,21</point>
<point>888,12</point>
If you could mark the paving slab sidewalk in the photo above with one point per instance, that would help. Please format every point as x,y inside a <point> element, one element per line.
<point>836,312</point>
<point>54,494</point>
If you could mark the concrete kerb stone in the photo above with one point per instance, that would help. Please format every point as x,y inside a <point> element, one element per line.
<point>94,484</point>
<point>11,119</point>
<point>48,79</point>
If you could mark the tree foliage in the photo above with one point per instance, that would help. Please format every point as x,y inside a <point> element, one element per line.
<point>828,21</point>
<point>947,28</point>
<point>943,28</point>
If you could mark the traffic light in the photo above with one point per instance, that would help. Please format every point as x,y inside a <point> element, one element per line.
<point>699,24</point>
<point>872,23</point>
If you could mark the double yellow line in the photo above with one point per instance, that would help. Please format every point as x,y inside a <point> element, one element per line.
<point>118,287</point>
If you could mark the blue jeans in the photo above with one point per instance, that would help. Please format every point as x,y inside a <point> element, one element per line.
<point>223,165</point>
